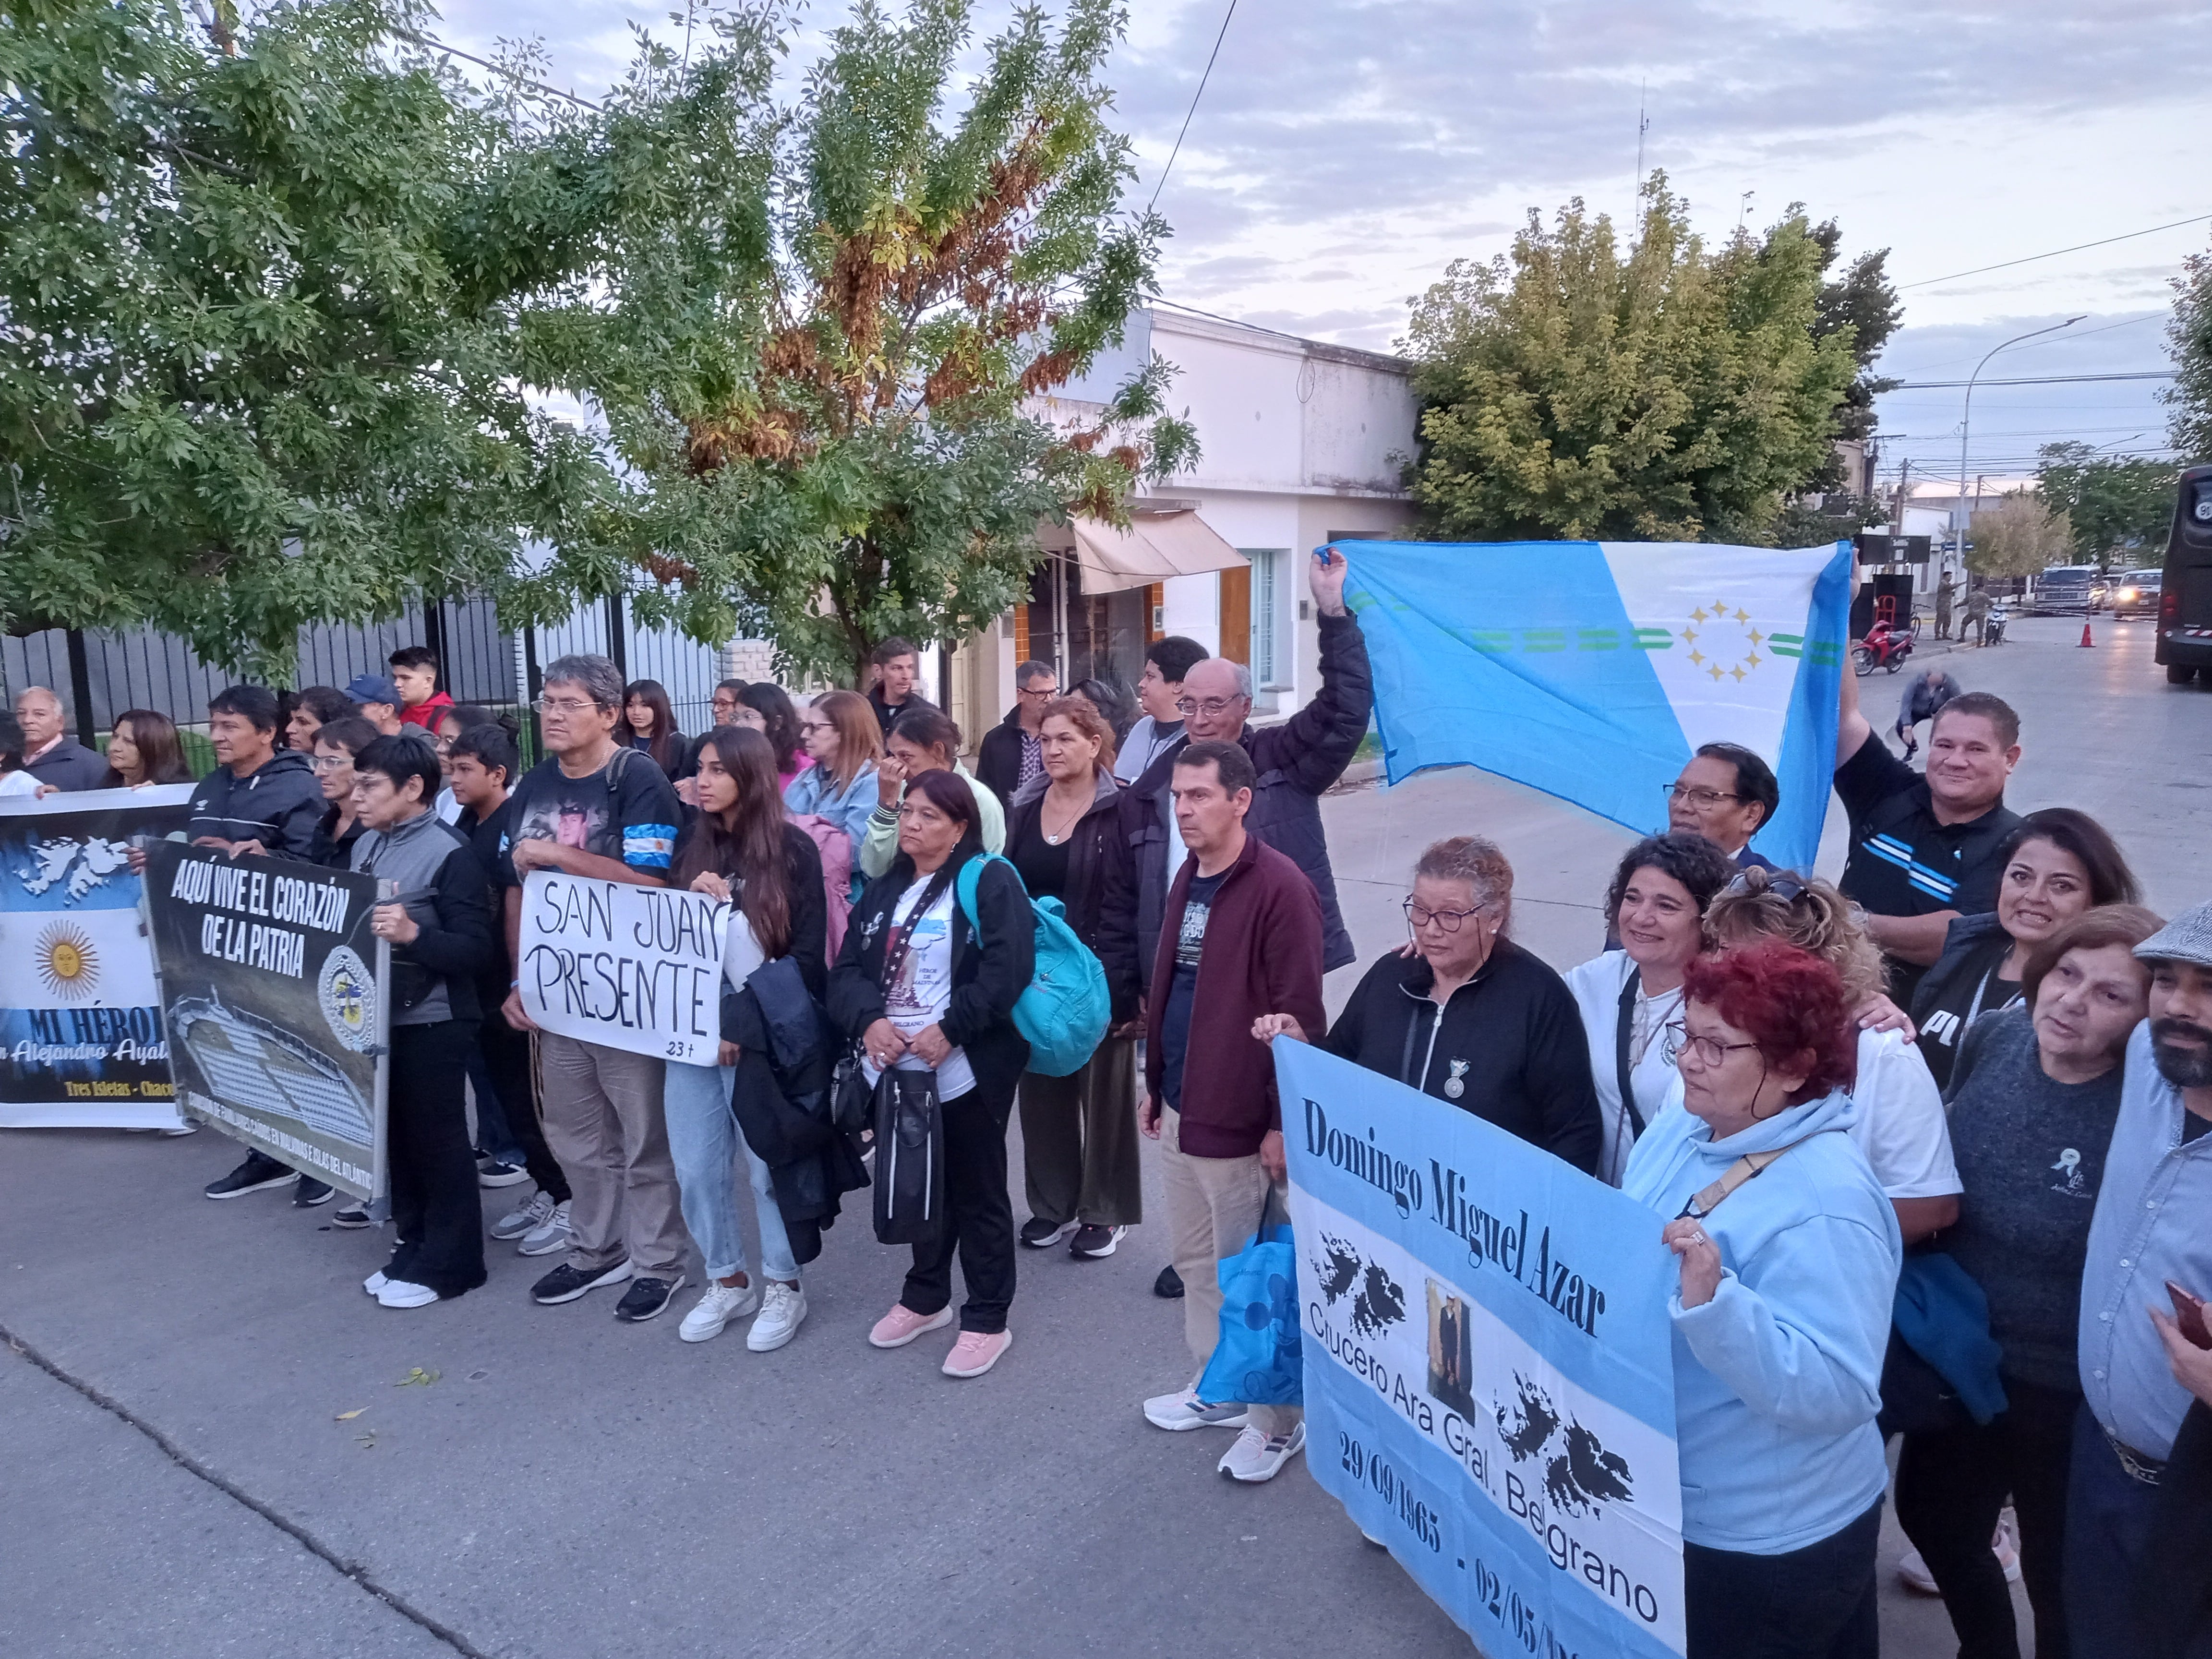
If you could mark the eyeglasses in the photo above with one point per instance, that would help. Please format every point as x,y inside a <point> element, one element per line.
<point>1419,915</point>
<point>1704,800</point>
<point>1710,1051</point>
<point>806,726</point>
<point>1041,691</point>
<point>329,763</point>
<point>562,705</point>
<point>1187,707</point>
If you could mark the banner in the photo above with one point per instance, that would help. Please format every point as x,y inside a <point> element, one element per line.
<point>81,1038</point>
<point>638,969</point>
<point>1593,670</point>
<point>272,990</point>
<point>1489,1371</point>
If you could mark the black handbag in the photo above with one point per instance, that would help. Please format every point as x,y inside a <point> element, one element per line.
<point>909,1158</point>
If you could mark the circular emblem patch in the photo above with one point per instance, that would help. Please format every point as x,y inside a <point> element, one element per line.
<point>346,991</point>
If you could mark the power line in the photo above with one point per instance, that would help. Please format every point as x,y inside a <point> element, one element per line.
<point>2029,259</point>
<point>2034,379</point>
<point>1192,110</point>
<point>436,45</point>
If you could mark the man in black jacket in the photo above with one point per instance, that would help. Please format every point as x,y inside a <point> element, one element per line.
<point>1296,763</point>
<point>1010,756</point>
<point>897,664</point>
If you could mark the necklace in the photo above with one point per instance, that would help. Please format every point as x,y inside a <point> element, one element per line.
<point>1065,829</point>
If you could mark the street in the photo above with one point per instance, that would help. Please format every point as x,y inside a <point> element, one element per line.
<point>218,1446</point>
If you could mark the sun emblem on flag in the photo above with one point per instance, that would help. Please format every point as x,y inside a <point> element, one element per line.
<point>1725,642</point>
<point>67,961</point>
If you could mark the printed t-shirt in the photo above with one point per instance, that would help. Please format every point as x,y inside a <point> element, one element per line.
<point>921,991</point>
<point>627,810</point>
<point>1182,989</point>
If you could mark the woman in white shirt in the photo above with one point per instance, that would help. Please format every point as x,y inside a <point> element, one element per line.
<point>1628,998</point>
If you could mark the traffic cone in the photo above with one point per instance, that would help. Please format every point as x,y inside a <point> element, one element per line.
<point>2086,640</point>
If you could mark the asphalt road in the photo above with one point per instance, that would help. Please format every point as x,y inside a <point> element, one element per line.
<point>212,1448</point>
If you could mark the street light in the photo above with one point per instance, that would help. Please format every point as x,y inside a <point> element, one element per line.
<point>1966,415</point>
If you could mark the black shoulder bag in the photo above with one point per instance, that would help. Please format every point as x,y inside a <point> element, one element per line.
<point>910,1178</point>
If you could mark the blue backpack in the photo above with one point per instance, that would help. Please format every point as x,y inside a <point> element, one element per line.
<point>1064,1011</point>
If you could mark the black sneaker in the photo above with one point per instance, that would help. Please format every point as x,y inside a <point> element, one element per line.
<point>1039,1234</point>
<point>490,1172</point>
<point>1169,1284</point>
<point>353,1215</point>
<point>1095,1241</point>
<point>312,1193</point>
<point>566,1283</point>
<point>645,1298</point>
<point>259,1171</point>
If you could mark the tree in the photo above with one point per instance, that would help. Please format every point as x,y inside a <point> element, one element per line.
<point>2120,509</point>
<point>2018,537</point>
<point>2189,330</point>
<point>822,379</point>
<point>1861,300</point>
<point>1677,393</point>
<point>258,366</point>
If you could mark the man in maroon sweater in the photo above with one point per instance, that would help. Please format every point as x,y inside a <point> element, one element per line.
<point>1241,937</point>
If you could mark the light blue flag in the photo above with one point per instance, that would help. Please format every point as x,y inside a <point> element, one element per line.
<point>1593,670</point>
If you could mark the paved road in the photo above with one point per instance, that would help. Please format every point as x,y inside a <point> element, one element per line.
<point>569,1486</point>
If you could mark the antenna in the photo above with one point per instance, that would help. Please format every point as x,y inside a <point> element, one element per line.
<point>1643,126</point>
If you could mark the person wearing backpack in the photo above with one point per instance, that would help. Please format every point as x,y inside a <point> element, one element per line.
<point>1064,836</point>
<point>923,984</point>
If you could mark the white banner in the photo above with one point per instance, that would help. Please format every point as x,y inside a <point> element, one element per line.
<point>638,969</point>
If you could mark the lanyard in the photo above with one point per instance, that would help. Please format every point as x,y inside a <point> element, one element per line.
<point>1707,1199</point>
<point>1625,1072</point>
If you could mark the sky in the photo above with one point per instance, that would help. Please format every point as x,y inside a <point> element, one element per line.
<point>1342,154</point>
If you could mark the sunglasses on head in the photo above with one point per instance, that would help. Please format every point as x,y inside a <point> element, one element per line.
<point>1784,884</point>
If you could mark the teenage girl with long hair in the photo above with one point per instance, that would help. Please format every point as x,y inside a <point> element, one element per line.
<point>651,724</point>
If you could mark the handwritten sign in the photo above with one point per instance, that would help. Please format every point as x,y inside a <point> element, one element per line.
<point>638,969</point>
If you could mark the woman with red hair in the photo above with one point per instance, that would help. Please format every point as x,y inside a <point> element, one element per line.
<point>1789,1255</point>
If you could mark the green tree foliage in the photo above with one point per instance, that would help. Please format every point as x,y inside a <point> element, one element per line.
<point>820,376</point>
<point>2019,537</point>
<point>2121,510</point>
<point>2189,333</point>
<point>256,361</point>
<point>1672,392</point>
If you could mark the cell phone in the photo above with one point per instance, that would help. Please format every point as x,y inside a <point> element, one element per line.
<point>2189,1314</point>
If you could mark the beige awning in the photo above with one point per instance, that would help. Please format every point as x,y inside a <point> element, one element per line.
<point>1156,546</point>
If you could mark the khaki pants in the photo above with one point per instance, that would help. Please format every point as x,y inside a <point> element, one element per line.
<point>1213,1209</point>
<point>602,1114</point>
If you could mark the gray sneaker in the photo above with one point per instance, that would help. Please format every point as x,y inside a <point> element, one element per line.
<point>533,1214</point>
<point>1184,1410</point>
<point>549,1235</point>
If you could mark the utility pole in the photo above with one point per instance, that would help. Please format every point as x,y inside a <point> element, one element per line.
<point>1967,413</point>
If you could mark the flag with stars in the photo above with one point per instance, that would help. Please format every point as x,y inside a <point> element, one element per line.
<point>1594,670</point>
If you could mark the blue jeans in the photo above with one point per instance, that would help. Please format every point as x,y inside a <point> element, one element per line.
<point>495,1139</point>
<point>2109,1516</point>
<point>704,1142</point>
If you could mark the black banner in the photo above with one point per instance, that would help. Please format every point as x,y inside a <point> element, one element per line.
<point>272,994</point>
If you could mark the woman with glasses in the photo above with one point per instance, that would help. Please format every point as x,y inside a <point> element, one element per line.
<point>336,741</point>
<point>762,707</point>
<point>845,745</point>
<point>1627,997</point>
<point>1788,1256</point>
<point>1470,1016</point>
<point>922,739</point>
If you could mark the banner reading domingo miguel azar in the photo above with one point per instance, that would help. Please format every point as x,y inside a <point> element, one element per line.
<point>272,990</point>
<point>1489,1382</point>
<point>80,1040</point>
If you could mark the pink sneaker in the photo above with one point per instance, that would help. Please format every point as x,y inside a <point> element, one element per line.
<point>976,1351</point>
<point>902,1324</point>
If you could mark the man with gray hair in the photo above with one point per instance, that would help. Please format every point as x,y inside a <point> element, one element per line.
<point>50,755</point>
<point>1012,754</point>
<point>602,811</point>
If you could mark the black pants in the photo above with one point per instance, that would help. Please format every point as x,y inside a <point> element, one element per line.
<point>979,1217</point>
<point>1814,1603</point>
<point>1950,1486</point>
<point>505,1054</point>
<point>434,1207</point>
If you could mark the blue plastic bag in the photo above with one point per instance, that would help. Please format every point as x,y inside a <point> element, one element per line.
<point>1257,1359</point>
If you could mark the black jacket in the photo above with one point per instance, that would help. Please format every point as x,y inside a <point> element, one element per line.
<point>1101,900</point>
<point>989,971</point>
<point>1511,1037</point>
<point>278,804</point>
<point>886,714</point>
<point>1298,762</point>
<point>999,758</point>
<point>330,850</point>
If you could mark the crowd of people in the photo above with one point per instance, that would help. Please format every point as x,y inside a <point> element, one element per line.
<point>1928,1141</point>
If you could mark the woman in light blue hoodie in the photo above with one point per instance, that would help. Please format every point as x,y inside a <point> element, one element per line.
<point>1789,1254</point>
<point>841,736</point>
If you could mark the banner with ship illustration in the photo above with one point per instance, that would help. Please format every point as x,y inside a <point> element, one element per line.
<point>81,1038</point>
<point>272,992</point>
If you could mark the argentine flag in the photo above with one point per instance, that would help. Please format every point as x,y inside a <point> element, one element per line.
<point>1593,670</point>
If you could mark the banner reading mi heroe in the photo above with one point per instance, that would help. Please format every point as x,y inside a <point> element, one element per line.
<point>80,1040</point>
<point>272,990</point>
<point>1489,1379</point>
<point>638,969</point>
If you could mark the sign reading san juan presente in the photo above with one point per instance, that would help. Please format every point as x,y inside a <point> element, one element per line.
<point>1489,1378</point>
<point>272,989</point>
<point>638,969</point>
<point>80,1039</point>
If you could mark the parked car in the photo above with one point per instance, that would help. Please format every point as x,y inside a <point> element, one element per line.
<point>2063,590</point>
<point>2135,593</point>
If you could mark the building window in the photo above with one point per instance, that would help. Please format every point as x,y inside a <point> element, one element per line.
<point>1268,661</point>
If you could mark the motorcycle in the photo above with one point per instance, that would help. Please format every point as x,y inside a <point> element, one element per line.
<point>1884,646</point>
<point>1993,628</point>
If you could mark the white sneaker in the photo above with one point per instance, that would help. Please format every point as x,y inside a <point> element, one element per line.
<point>1259,1456</point>
<point>781,1313</point>
<point>718,1305</point>
<point>2006,1546</point>
<point>375,1282</point>
<point>1912,1573</point>
<point>1183,1409</point>
<point>549,1235</point>
<point>527,1218</point>
<point>399,1293</point>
